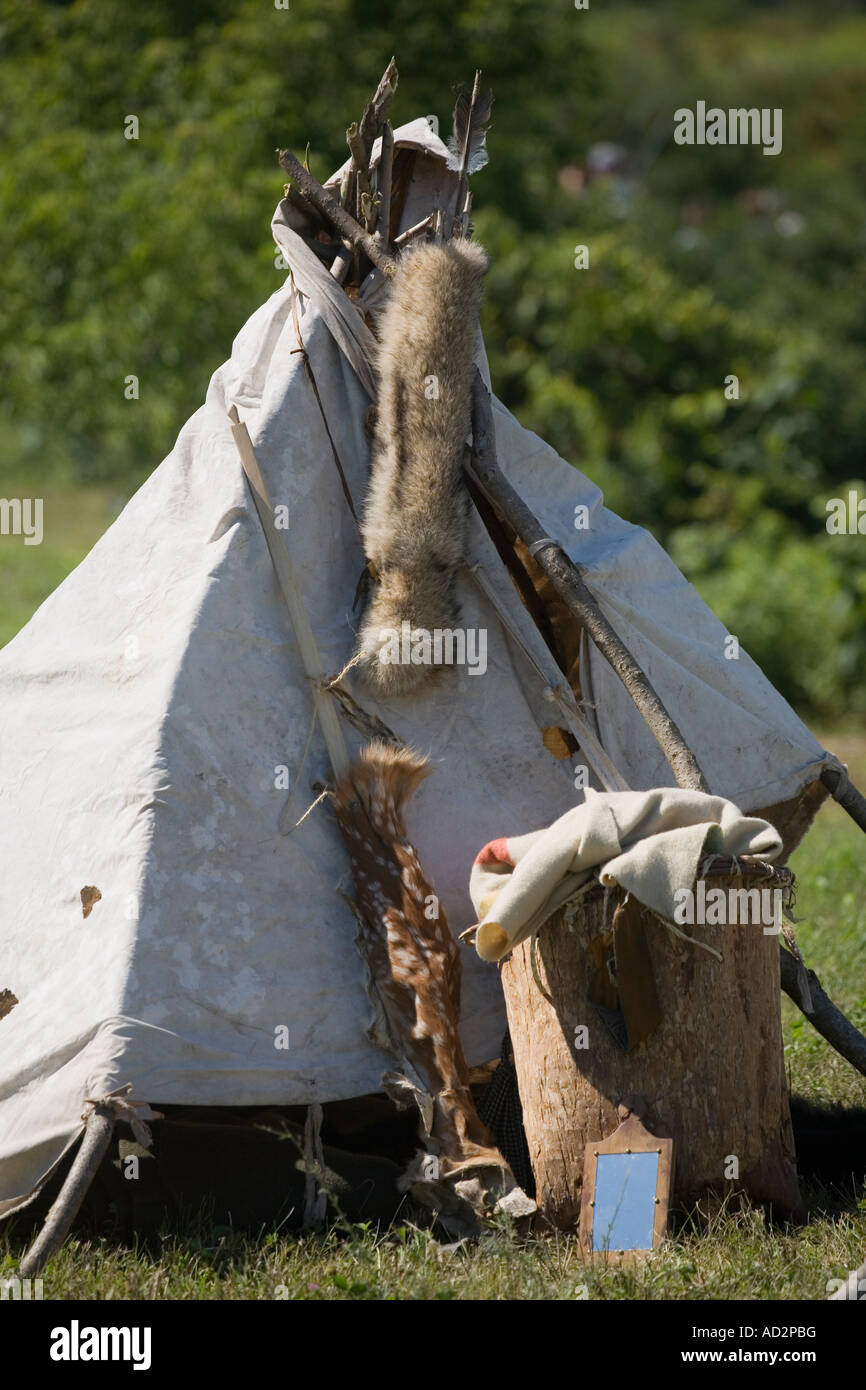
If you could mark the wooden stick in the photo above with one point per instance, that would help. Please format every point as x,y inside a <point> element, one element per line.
<point>325,708</point>
<point>425,225</point>
<point>359,176</point>
<point>386,171</point>
<point>341,263</point>
<point>376,110</point>
<point>846,794</point>
<point>824,1016</point>
<point>303,205</point>
<point>339,218</point>
<point>368,211</point>
<point>566,579</point>
<point>94,1145</point>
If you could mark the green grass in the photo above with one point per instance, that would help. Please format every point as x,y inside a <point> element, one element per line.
<point>727,1256</point>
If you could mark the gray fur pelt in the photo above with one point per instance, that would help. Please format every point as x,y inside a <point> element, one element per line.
<point>416,512</point>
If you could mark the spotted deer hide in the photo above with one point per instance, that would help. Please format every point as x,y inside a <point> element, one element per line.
<point>411,956</point>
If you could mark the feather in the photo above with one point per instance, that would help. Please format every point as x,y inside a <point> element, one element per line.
<point>467,152</point>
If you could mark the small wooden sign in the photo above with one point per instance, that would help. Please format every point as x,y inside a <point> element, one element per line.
<point>626,1192</point>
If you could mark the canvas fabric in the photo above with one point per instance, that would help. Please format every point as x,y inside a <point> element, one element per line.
<point>649,843</point>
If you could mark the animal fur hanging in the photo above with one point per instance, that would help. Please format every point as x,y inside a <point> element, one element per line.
<point>415,517</point>
<point>413,959</point>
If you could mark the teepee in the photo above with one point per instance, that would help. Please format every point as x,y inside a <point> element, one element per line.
<point>167,925</point>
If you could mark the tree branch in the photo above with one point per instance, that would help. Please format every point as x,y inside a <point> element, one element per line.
<point>376,110</point>
<point>339,218</point>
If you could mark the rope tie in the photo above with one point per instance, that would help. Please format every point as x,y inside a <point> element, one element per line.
<point>315,1200</point>
<point>329,683</point>
<point>842,781</point>
<point>692,940</point>
<point>127,1110</point>
<point>311,808</point>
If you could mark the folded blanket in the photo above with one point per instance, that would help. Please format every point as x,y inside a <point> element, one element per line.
<point>650,843</point>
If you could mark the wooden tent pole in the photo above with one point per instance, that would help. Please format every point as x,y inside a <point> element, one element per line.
<point>325,708</point>
<point>566,578</point>
<point>94,1145</point>
<point>823,1014</point>
<point>846,794</point>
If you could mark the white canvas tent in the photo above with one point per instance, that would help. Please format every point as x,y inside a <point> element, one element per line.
<point>147,707</point>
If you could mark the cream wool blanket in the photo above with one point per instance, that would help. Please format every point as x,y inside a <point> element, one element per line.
<point>650,843</point>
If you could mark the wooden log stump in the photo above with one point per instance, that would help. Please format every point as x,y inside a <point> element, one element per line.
<point>710,1076</point>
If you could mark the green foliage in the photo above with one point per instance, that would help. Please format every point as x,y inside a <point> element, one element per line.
<point>144,257</point>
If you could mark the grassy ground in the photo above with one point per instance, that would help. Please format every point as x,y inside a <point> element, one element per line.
<point>729,1255</point>
<point>73,521</point>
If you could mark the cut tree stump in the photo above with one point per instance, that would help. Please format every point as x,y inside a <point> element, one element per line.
<point>711,1076</point>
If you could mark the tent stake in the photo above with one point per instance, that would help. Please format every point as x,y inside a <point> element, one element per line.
<point>97,1136</point>
<point>566,578</point>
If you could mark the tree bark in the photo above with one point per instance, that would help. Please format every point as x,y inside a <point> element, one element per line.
<point>711,1076</point>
